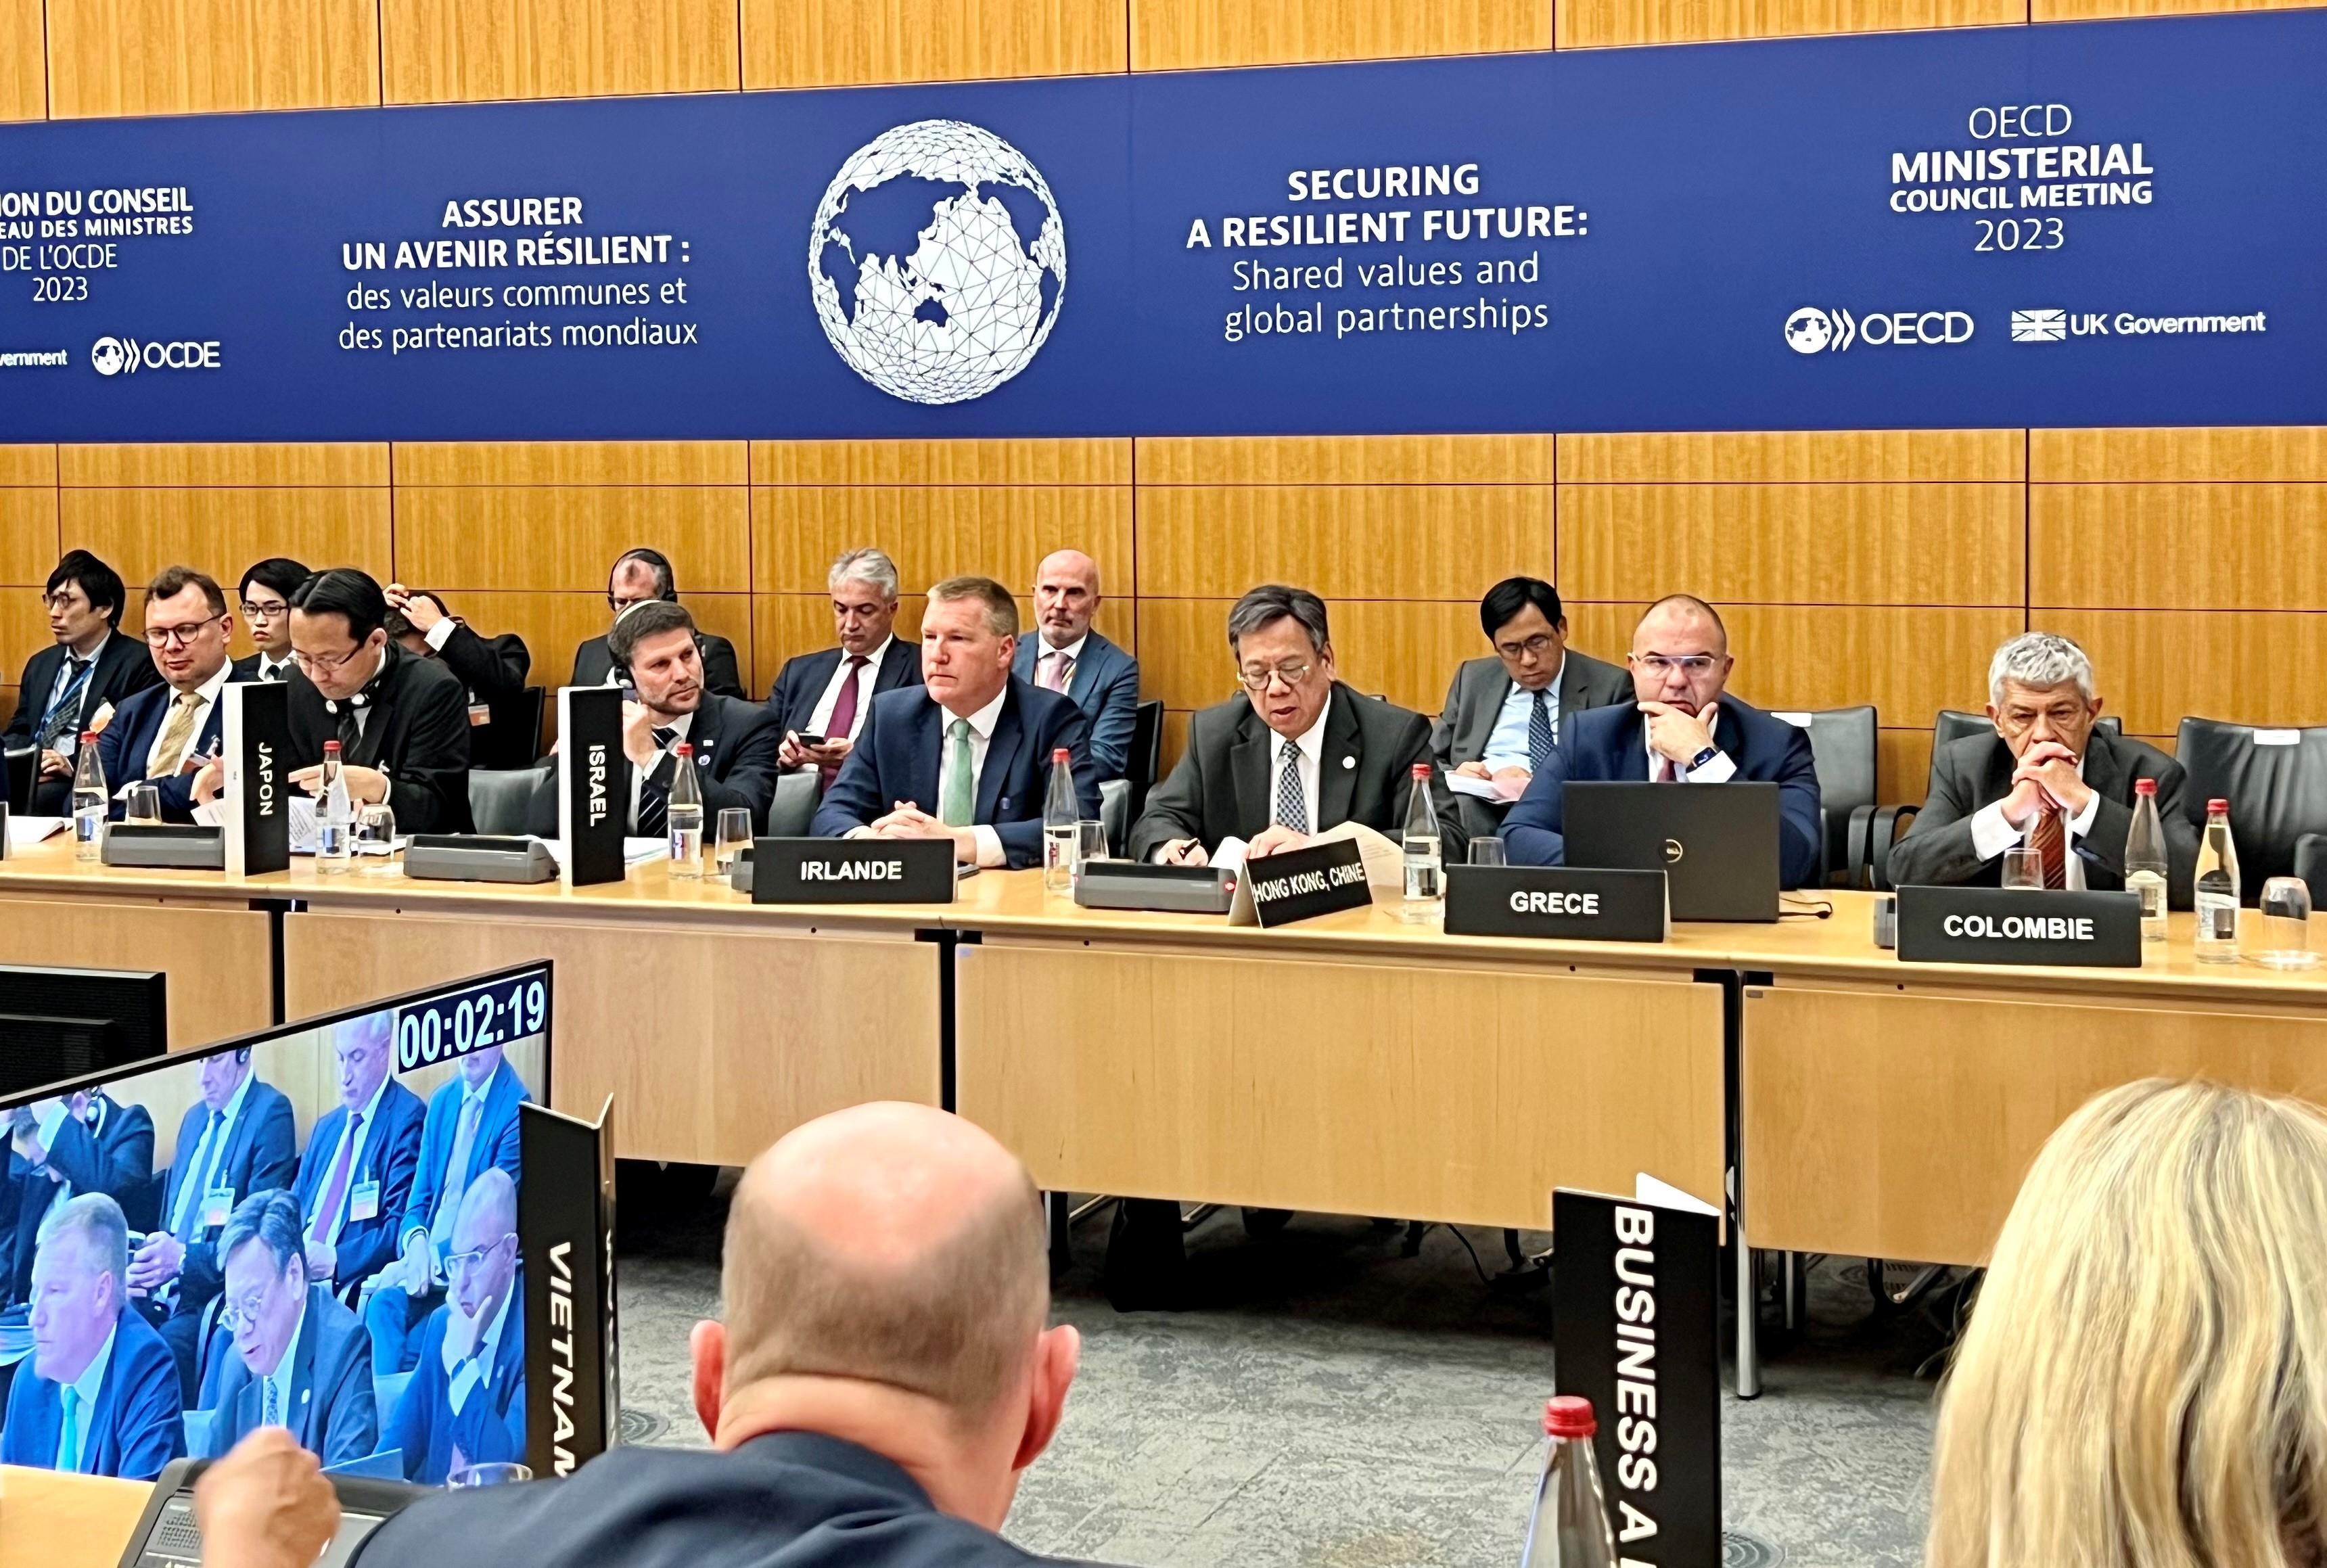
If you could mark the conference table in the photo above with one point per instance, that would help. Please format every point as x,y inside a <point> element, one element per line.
<point>66,1521</point>
<point>1356,1063</point>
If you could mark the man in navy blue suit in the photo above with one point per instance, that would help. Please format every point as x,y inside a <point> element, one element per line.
<point>830,693</point>
<point>969,757</point>
<point>1066,655</point>
<point>1684,728</point>
<point>101,1394</point>
<point>356,1176</point>
<point>58,1149</point>
<point>472,1129</point>
<point>301,1359</point>
<point>237,1140</point>
<point>465,1404</point>
<point>163,734</point>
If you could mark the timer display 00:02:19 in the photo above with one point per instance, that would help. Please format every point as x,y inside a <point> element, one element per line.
<point>453,1026</point>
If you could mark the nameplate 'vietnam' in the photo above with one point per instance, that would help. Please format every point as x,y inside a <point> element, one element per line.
<point>1301,885</point>
<point>852,871</point>
<point>1570,903</point>
<point>2085,931</point>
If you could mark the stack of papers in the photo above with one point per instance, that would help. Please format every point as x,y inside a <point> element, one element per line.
<point>1510,787</point>
<point>26,831</point>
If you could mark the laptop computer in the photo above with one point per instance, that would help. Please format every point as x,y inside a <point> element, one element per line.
<point>1716,843</point>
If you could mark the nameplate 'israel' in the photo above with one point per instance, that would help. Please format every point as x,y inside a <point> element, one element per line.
<point>2086,930</point>
<point>1570,903</point>
<point>852,871</point>
<point>1301,885</point>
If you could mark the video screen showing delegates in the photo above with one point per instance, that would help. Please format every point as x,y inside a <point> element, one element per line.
<point>314,1228</point>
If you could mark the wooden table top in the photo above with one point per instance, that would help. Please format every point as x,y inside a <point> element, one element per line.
<point>66,1521</point>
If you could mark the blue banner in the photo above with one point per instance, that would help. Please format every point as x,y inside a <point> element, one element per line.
<point>2116,223</point>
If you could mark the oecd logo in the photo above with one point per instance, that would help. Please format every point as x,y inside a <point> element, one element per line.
<point>1809,330</point>
<point>126,356</point>
<point>937,261</point>
<point>1813,331</point>
<point>111,356</point>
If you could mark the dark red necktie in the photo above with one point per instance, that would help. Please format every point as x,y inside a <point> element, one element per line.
<point>844,715</point>
<point>2050,837</point>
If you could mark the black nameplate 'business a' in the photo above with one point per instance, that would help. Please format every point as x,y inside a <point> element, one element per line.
<point>1636,1329</point>
<point>593,807</point>
<point>255,738</point>
<point>852,871</point>
<point>1572,903</point>
<point>2019,926</point>
<point>1302,883</point>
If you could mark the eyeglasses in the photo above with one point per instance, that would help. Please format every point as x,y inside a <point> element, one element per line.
<point>1292,675</point>
<point>265,609</point>
<point>179,636</point>
<point>235,1316</point>
<point>619,605</point>
<point>1689,664</point>
<point>461,1263</point>
<point>62,599</point>
<point>1537,645</point>
<point>311,663</point>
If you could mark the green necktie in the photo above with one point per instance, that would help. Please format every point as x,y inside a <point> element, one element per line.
<point>68,1441</point>
<point>955,810</point>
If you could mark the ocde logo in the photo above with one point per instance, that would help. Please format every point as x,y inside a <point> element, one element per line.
<point>1814,331</point>
<point>119,356</point>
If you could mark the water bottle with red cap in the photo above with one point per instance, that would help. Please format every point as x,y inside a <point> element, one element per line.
<point>1570,1527</point>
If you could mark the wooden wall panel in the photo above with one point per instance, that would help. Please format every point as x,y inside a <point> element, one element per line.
<point>2178,547</point>
<point>2158,667</point>
<point>1184,34</point>
<point>1600,23</point>
<point>2092,9</point>
<point>941,463</point>
<point>1404,650</point>
<point>24,632</point>
<point>2255,454</point>
<point>222,530</point>
<point>1342,541</point>
<point>554,624</point>
<point>1179,460</point>
<point>267,463</point>
<point>457,51</point>
<point>556,537</point>
<point>1793,457</point>
<point>28,537</point>
<point>571,462</point>
<point>24,60</point>
<point>32,465</point>
<point>1813,544</point>
<point>155,57</point>
<point>839,42</point>
<point>935,532</point>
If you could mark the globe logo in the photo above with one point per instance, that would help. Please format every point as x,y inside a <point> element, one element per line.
<point>1808,330</point>
<point>937,261</point>
<point>108,357</point>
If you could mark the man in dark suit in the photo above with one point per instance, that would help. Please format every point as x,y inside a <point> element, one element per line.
<point>266,588</point>
<point>884,1375</point>
<point>827,694</point>
<point>301,1359</point>
<point>1066,655</point>
<point>2048,777</point>
<point>160,735</point>
<point>968,758</point>
<point>1502,715</point>
<point>1298,754</point>
<point>402,722</point>
<point>59,1149</point>
<point>465,1404</point>
<point>98,1395</point>
<point>732,742</point>
<point>75,685</point>
<point>502,728</point>
<point>1683,728</point>
<point>641,576</point>
<point>237,1140</point>
<point>472,1129</point>
<point>356,1176</point>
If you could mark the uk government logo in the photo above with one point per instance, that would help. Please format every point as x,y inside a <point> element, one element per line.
<point>937,261</point>
<point>2058,325</point>
<point>1814,330</point>
<point>128,356</point>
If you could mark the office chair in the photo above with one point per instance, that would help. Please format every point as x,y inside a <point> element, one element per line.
<point>501,799</point>
<point>512,738</point>
<point>1842,743</point>
<point>2277,795</point>
<point>1146,759</point>
<point>794,806</point>
<point>1114,812</point>
<point>21,758</point>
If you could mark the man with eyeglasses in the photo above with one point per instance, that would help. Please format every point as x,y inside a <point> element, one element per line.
<point>826,695</point>
<point>165,734</point>
<point>267,589</point>
<point>1502,715</point>
<point>465,1404</point>
<point>1298,753</point>
<point>639,577</point>
<point>1682,728</point>
<point>300,1360</point>
<point>74,685</point>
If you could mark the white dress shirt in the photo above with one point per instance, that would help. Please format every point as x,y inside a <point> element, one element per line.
<point>1074,657</point>
<point>69,742</point>
<point>1992,834</point>
<point>207,696</point>
<point>1719,768</point>
<point>184,1223</point>
<point>280,1379</point>
<point>50,1122</point>
<point>273,668</point>
<point>330,1236</point>
<point>1312,744</point>
<point>981,736</point>
<point>1507,742</point>
<point>819,723</point>
<point>85,1388</point>
<point>678,727</point>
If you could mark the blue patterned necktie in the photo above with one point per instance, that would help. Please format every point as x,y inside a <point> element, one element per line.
<point>1292,810</point>
<point>1540,735</point>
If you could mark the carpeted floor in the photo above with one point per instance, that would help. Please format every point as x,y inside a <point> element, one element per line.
<point>1333,1404</point>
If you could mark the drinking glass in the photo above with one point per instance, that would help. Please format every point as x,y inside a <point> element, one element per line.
<point>2286,926</point>
<point>735,834</point>
<point>490,1474</point>
<point>1091,844</point>
<point>375,842</point>
<point>1487,851</point>
<point>145,807</point>
<point>2024,867</point>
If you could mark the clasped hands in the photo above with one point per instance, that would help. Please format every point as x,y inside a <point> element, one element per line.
<point>907,820</point>
<point>2046,777</point>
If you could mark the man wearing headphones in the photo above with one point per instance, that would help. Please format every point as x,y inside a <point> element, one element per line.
<point>639,577</point>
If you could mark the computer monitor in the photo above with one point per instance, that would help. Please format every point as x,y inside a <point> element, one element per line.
<point>1716,843</point>
<point>62,1024</point>
<point>323,1225</point>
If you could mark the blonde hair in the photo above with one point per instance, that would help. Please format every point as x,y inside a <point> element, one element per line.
<point>2144,1384</point>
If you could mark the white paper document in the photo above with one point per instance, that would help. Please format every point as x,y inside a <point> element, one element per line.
<point>26,831</point>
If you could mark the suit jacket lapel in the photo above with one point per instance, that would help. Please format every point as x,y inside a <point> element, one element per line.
<point>303,1377</point>
<point>705,733</point>
<point>928,757</point>
<point>1337,773</point>
<point>897,666</point>
<point>1001,757</point>
<point>1488,683</point>
<point>1250,759</point>
<point>2104,768</point>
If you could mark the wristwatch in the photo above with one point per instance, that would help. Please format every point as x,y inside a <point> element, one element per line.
<point>1701,758</point>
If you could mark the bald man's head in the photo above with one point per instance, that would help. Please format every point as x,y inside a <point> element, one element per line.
<point>1065,597</point>
<point>1680,653</point>
<point>889,1244</point>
